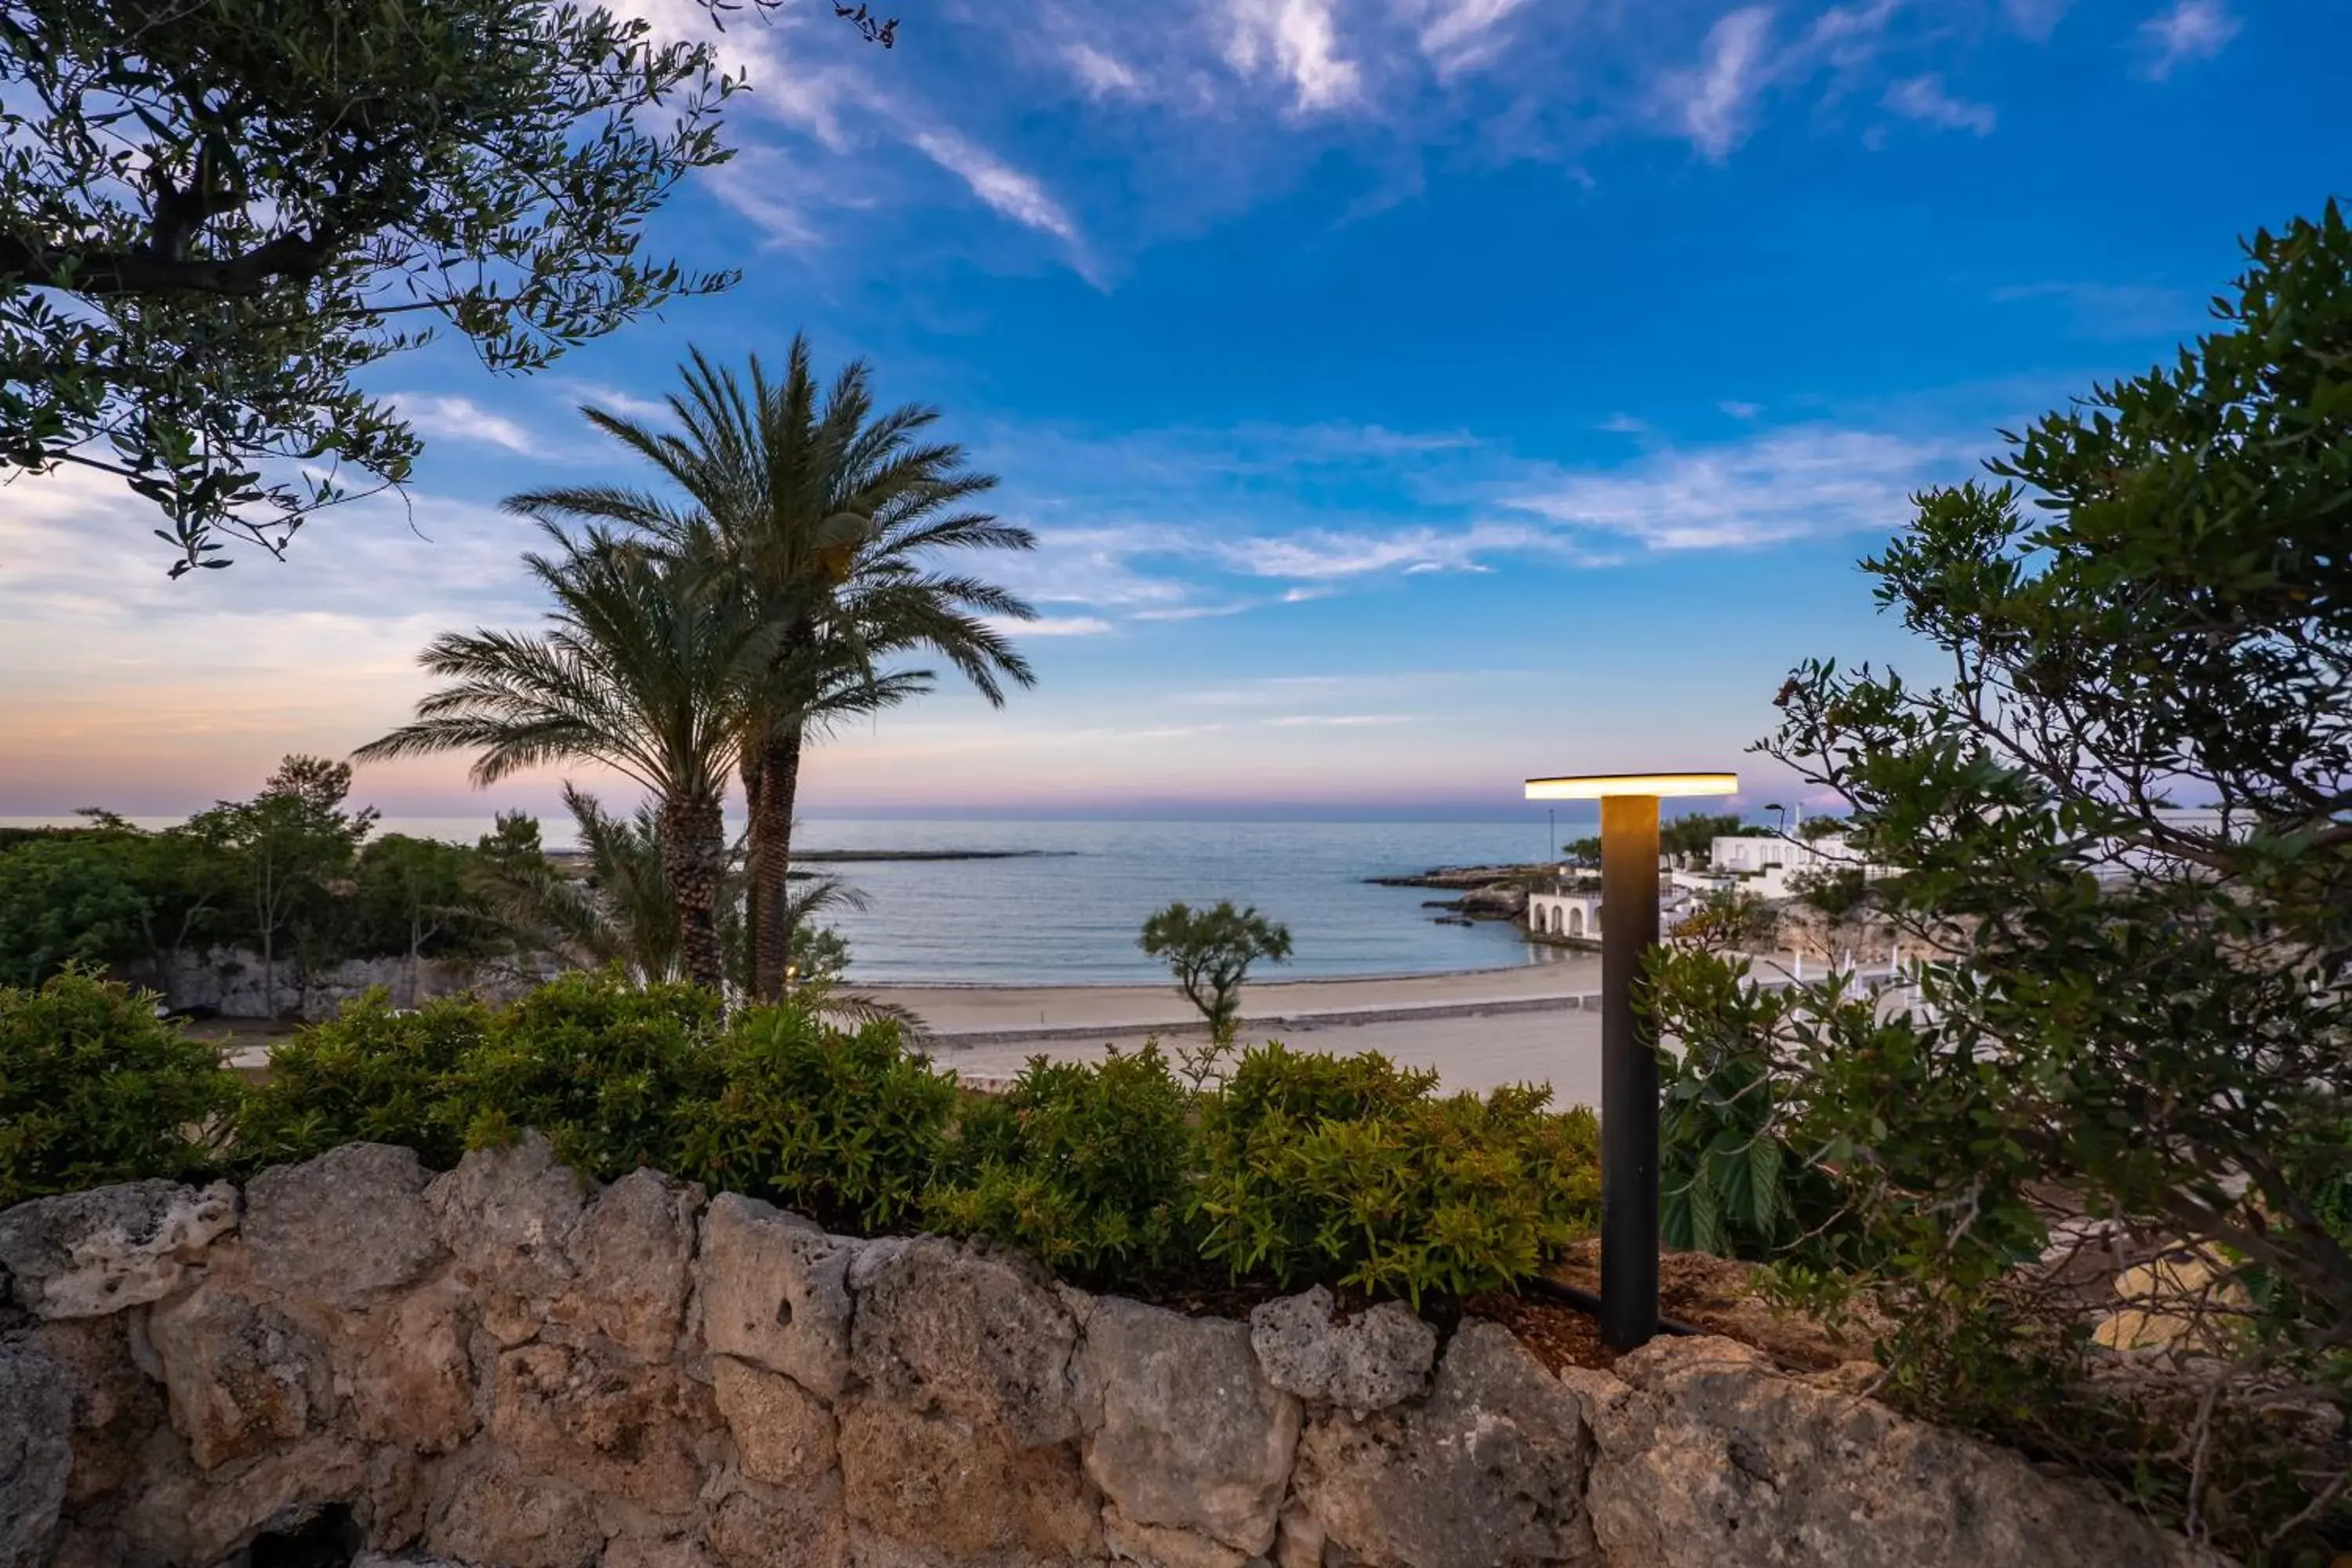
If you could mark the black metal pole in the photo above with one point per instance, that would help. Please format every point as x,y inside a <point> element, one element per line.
<point>1629,1074</point>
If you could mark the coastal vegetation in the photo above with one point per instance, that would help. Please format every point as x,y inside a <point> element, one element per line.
<point>1297,1169</point>
<point>1210,952</point>
<point>2135,1029</point>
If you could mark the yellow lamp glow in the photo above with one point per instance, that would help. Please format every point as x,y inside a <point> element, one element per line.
<point>1597,786</point>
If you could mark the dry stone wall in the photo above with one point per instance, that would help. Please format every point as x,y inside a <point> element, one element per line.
<point>361,1361</point>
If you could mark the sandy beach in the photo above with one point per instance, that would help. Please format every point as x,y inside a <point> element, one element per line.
<point>1479,1029</point>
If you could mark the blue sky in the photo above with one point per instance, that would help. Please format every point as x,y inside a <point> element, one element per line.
<point>1410,395</point>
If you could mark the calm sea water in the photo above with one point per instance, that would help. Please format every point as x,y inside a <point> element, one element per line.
<point>1071,914</point>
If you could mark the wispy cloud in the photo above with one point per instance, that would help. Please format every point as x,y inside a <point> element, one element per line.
<point>1739,410</point>
<point>1325,555</point>
<point>1785,484</point>
<point>1050,625</point>
<point>1922,99</point>
<point>1103,74</point>
<point>1017,196</point>
<point>1338,721</point>
<point>2191,30</point>
<point>1713,103</point>
<point>1461,35</point>
<point>463,419</point>
<point>2037,19</point>
<point>2113,310</point>
<point>1297,40</point>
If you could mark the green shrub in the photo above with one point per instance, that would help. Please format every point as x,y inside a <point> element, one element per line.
<point>613,1073</point>
<point>1398,1194</point>
<point>846,1127</point>
<point>1089,1165</point>
<point>94,1090</point>
<point>373,1075</point>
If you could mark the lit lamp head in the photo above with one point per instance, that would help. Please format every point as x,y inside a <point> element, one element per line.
<point>1601,786</point>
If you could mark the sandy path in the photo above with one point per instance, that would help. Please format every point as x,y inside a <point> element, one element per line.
<point>958,1010</point>
<point>1559,1046</point>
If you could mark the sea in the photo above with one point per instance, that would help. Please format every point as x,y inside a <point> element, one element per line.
<point>1068,904</point>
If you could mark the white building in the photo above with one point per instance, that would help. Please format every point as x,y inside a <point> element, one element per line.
<point>1763,865</point>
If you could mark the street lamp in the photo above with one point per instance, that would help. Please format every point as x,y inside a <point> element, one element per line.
<point>1629,1046</point>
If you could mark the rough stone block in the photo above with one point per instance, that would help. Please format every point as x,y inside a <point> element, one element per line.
<point>1183,1431</point>
<point>493,1512</point>
<point>1377,1358</point>
<point>982,1336</point>
<point>615,1427</point>
<point>783,1433</point>
<point>1707,1455</point>
<point>82,1255</point>
<point>957,1488</point>
<point>36,1412</point>
<point>775,1292</point>
<point>345,1228</point>
<point>505,1214</point>
<point>241,1377</point>
<point>633,1260</point>
<point>1490,1469</point>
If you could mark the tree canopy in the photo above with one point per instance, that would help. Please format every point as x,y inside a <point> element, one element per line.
<point>214,216</point>
<point>1210,952</point>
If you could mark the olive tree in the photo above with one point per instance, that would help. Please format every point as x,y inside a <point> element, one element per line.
<point>215,214</point>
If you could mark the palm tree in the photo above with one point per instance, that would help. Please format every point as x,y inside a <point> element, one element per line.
<point>643,670</point>
<point>828,519</point>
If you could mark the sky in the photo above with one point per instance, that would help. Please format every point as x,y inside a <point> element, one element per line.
<point>1409,396</point>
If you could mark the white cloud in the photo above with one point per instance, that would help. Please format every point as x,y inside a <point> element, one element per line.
<point>463,419</point>
<point>1338,721</point>
<point>1922,99</point>
<point>1196,612</point>
<point>1093,566</point>
<point>1325,555</point>
<point>1051,627</point>
<point>1017,196</point>
<point>1787,485</point>
<point>2037,19</point>
<point>1460,35</point>
<point>1103,74</point>
<point>1300,41</point>
<point>1713,103</point>
<point>2191,30</point>
<point>1625,425</point>
<point>1739,410</point>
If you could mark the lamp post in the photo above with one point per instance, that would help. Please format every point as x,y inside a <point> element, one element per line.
<point>1629,1046</point>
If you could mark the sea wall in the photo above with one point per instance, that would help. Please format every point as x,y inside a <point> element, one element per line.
<point>501,1365</point>
<point>230,982</point>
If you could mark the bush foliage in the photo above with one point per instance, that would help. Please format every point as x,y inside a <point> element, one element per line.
<point>94,1089</point>
<point>1123,1173</point>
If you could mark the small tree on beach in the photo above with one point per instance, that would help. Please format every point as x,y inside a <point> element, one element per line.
<point>1210,952</point>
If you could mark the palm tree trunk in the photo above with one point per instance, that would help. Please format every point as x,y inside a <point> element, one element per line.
<point>747,767</point>
<point>771,859</point>
<point>694,853</point>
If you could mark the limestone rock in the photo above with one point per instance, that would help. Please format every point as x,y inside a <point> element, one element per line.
<point>775,1292</point>
<point>664,1551</point>
<point>115,1405</point>
<point>505,1214</point>
<point>1156,1547</point>
<point>345,1228</point>
<point>982,1336</point>
<point>82,1255</point>
<point>783,1433</point>
<point>1376,1358</point>
<point>181,1517</point>
<point>781,1530</point>
<point>495,1513</point>
<point>1183,1431</point>
<point>1708,1455</point>
<point>957,1488</point>
<point>616,1427</point>
<point>35,1452</point>
<point>1489,1470</point>
<point>633,1257</point>
<point>241,1377</point>
<point>412,1384</point>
